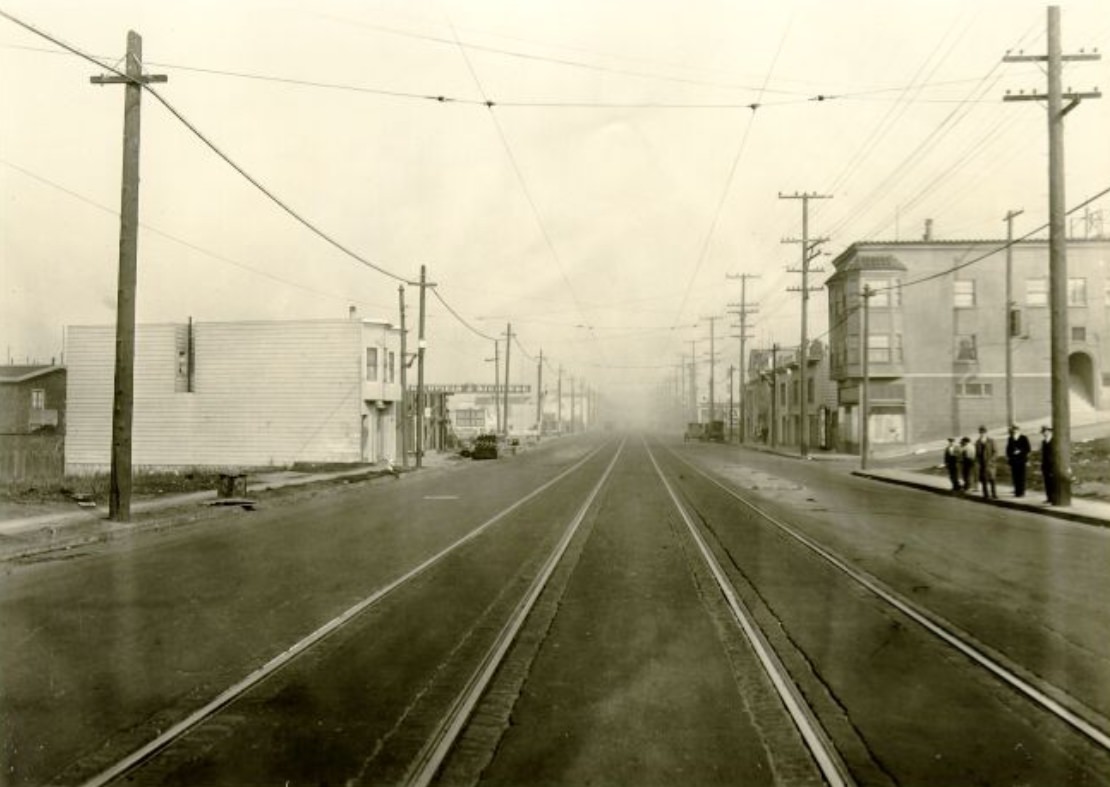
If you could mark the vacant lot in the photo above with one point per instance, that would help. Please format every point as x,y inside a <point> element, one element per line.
<point>1090,464</point>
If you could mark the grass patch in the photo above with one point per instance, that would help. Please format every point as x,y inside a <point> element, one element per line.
<point>95,487</point>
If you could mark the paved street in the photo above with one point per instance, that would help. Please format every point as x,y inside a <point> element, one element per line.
<point>332,637</point>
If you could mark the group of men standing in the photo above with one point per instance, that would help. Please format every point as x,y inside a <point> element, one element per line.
<point>966,461</point>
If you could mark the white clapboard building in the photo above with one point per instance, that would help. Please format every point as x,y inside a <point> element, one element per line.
<point>239,394</point>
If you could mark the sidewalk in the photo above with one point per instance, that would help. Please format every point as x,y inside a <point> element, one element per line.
<point>1093,512</point>
<point>1088,511</point>
<point>69,526</point>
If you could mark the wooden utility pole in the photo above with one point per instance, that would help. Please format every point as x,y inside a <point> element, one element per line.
<point>508,343</point>
<point>696,418</point>
<point>420,347</point>
<point>539,395</point>
<point>1009,219</point>
<point>731,410</point>
<point>809,252</point>
<point>864,404</point>
<point>743,310</point>
<point>123,398</point>
<point>573,405</point>
<point>496,384</point>
<point>404,406</point>
<point>559,396</point>
<point>774,394</point>
<point>712,367</point>
<point>1057,242</point>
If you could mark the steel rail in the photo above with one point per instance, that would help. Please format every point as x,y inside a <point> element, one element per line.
<point>434,753</point>
<point>820,745</point>
<point>148,750</point>
<point>942,629</point>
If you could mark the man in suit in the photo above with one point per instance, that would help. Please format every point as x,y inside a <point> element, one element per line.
<point>1017,454</point>
<point>1048,465</point>
<point>985,453</point>
<point>952,463</point>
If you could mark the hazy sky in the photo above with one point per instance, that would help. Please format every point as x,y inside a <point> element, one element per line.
<point>600,203</point>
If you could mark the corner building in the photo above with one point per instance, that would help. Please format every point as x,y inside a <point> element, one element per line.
<point>936,346</point>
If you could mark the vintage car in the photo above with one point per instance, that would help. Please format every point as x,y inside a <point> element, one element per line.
<point>485,447</point>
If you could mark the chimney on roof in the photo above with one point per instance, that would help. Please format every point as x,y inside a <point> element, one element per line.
<point>928,229</point>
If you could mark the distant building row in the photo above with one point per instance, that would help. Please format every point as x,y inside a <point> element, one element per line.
<point>938,323</point>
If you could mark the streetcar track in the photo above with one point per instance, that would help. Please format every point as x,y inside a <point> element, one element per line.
<point>436,750</point>
<point>817,740</point>
<point>765,608</point>
<point>946,631</point>
<point>208,710</point>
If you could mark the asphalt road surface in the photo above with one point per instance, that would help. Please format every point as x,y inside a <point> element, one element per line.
<point>607,609</point>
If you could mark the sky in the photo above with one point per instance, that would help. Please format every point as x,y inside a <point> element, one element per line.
<point>595,172</point>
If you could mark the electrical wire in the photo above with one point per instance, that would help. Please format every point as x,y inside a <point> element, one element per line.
<point>211,146</point>
<point>704,252</point>
<point>185,243</point>
<point>520,177</point>
<point>459,317</point>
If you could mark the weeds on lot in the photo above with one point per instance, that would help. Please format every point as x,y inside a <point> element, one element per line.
<point>95,487</point>
<point>1090,467</point>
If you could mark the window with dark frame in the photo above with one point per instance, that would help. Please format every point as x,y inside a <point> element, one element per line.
<point>372,364</point>
<point>965,348</point>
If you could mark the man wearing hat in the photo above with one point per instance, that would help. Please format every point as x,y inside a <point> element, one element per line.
<point>1017,454</point>
<point>985,452</point>
<point>952,463</point>
<point>1048,465</point>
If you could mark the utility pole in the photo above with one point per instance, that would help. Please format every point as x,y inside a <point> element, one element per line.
<point>743,310</point>
<point>573,406</point>
<point>774,394</point>
<point>1057,241</point>
<point>731,424</point>
<point>123,398</point>
<point>587,413</point>
<point>559,394</point>
<point>1009,219</point>
<point>508,341</point>
<point>809,252</point>
<point>420,347</point>
<point>864,403</point>
<point>539,395</point>
<point>694,380</point>
<point>496,383</point>
<point>712,366</point>
<point>404,381</point>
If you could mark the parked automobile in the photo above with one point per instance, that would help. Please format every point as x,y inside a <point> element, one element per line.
<point>485,447</point>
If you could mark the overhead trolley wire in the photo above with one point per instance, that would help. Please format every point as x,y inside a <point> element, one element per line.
<point>459,317</point>
<point>711,231</point>
<point>520,176</point>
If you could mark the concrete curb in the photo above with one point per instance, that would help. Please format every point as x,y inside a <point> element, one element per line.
<point>43,533</point>
<point>1034,508</point>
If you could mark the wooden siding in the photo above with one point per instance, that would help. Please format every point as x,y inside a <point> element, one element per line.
<point>265,394</point>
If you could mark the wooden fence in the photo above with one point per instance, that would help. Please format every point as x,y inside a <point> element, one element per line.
<point>31,458</point>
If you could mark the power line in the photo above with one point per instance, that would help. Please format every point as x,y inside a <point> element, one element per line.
<point>704,253</point>
<point>992,252</point>
<point>459,317</point>
<point>455,41</point>
<point>520,178</point>
<point>181,241</point>
<point>213,147</point>
<point>443,98</point>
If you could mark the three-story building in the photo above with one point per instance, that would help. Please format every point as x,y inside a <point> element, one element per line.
<point>938,320</point>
